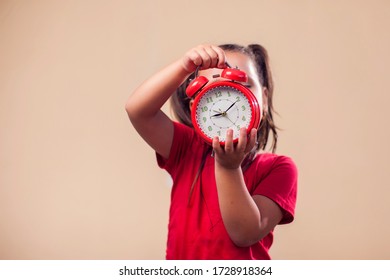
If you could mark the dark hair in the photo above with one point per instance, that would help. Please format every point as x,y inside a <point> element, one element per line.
<point>180,102</point>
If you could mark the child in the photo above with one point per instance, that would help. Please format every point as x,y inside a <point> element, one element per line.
<point>225,200</point>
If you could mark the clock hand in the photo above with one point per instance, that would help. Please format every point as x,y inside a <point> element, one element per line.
<point>230,120</point>
<point>217,115</point>
<point>231,106</point>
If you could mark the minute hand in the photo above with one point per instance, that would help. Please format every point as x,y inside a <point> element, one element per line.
<point>231,106</point>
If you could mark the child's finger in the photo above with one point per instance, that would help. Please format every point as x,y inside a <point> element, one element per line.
<point>214,57</point>
<point>216,146</point>
<point>252,141</point>
<point>206,58</point>
<point>221,56</point>
<point>242,141</point>
<point>229,147</point>
<point>192,60</point>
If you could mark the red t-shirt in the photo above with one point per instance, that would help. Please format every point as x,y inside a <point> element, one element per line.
<point>196,229</point>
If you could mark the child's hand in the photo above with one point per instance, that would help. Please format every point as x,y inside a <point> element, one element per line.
<point>205,56</point>
<point>231,156</point>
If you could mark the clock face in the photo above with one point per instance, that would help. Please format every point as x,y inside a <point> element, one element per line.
<point>222,107</point>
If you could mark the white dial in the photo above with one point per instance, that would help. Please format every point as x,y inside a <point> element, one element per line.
<point>221,108</point>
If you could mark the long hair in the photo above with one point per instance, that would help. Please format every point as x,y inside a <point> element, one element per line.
<point>259,55</point>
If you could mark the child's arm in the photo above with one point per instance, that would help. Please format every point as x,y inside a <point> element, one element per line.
<point>247,219</point>
<point>144,105</point>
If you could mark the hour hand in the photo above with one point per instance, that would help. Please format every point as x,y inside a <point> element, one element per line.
<point>217,115</point>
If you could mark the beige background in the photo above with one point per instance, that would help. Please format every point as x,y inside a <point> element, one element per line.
<point>76,182</point>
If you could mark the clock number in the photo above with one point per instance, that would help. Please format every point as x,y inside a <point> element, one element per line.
<point>204,119</point>
<point>204,109</point>
<point>243,118</point>
<point>219,133</point>
<point>238,99</point>
<point>243,107</point>
<point>238,127</point>
<point>209,99</point>
<point>229,94</point>
<point>210,128</point>
<point>218,94</point>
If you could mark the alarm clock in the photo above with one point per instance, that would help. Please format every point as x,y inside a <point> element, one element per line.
<point>222,105</point>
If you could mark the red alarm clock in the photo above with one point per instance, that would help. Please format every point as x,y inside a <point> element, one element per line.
<point>222,105</point>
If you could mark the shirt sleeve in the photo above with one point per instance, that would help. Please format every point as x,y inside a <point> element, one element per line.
<point>182,136</point>
<point>280,185</point>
